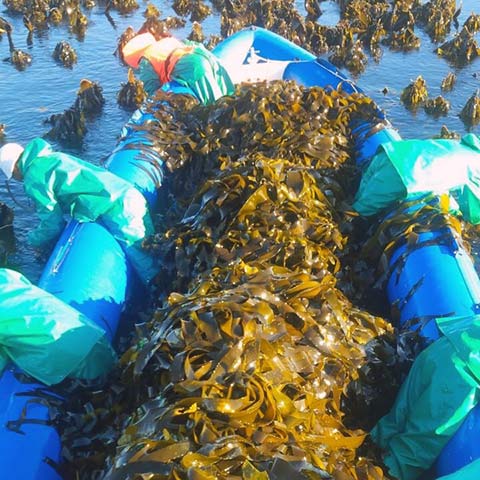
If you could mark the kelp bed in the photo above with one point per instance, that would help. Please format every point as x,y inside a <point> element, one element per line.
<point>244,368</point>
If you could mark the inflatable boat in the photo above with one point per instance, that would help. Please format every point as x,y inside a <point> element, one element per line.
<point>100,283</point>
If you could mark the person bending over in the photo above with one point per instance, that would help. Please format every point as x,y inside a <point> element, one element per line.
<point>60,184</point>
<point>187,63</point>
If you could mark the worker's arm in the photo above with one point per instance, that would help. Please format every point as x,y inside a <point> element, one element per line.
<point>146,73</point>
<point>50,213</point>
<point>46,337</point>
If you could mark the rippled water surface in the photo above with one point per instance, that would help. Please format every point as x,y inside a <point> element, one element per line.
<point>30,96</point>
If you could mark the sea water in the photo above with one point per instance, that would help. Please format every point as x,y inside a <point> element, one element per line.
<point>30,96</point>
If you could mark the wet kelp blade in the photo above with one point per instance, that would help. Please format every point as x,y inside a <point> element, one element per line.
<point>241,372</point>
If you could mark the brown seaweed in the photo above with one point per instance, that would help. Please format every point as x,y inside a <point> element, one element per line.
<point>242,369</point>
<point>415,93</point>
<point>65,54</point>
<point>131,94</point>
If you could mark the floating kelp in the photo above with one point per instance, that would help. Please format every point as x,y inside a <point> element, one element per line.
<point>367,20</point>
<point>472,23</point>
<point>212,41</point>
<point>20,59</point>
<point>448,82</point>
<point>197,9</point>
<point>447,134</point>
<point>438,17</point>
<point>349,54</point>
<point>30,28</point>
<point>123,6</point>
<point>65,54</point>
<point>77,20</point>
<point>313,9</point>
<point>159,27</point>
<point>125,37</point>
<point>241,372</point>
<point>400,25</point>
<point>403,40</point>
<point>68,127</point>
<point>6,216</point>
<point>470,113</point>
<point>151,11</point>
<point>89,97</point>
<point>415,93</point>
<point>131,94</point>
<point>55,16</point>
<point>196,34</point>
<point>437,106</point>
<point>462,49</point>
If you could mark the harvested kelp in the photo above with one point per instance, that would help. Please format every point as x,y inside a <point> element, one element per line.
<point>251,361</point>
<point>242,370</point>
<point>389,359</point>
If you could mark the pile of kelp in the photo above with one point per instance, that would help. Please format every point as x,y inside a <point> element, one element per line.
<point>242,370</point>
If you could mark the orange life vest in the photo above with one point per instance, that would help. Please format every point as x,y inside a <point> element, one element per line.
<point>135,48</point>
<point>164,54</point>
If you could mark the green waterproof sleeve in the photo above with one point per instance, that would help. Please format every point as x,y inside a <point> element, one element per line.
<point>439,392</point>
<point>423,167</point>
<point>202,72</point>
<point>381,186</point>
<point>146,73</point>
<point>62,184</point>
<point>50,226</point>
<point>47,338</point>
